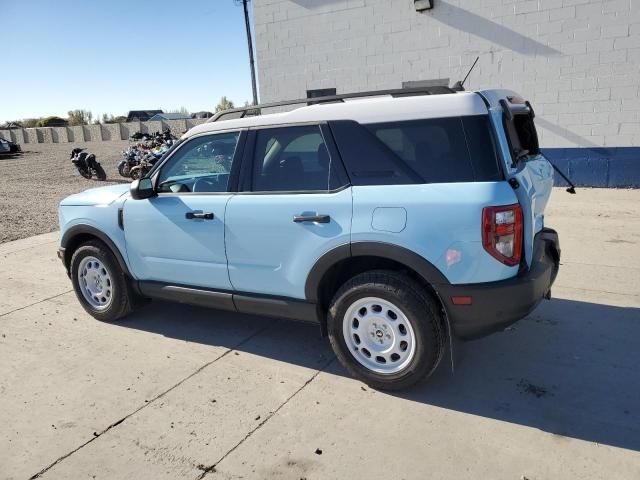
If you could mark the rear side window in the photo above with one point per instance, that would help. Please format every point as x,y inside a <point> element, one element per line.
<point>438,150</point>
<point>522,135</point>
<point>291,159</point>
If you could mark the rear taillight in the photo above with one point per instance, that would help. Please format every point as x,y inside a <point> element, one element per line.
<point>502,233</point>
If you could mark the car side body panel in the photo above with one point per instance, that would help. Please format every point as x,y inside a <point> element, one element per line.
<point>443,224</point>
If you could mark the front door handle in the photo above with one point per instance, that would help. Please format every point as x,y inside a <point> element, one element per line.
<point>192,216</point>
<point>312,218</point>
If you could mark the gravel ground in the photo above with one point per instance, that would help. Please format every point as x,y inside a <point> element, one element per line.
<point>33,183</point>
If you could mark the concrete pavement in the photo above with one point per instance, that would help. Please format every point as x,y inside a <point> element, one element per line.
<point>182,392</point>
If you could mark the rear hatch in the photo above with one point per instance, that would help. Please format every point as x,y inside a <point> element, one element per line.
<point>527,170</point>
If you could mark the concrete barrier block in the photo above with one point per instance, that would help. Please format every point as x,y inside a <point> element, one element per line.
<point>153,127</point>
<point>177,127</point>
<point>60,134</point>
<point>18,135</point>
<point>129,128</point>
<point>6,134</point>
<point>192,122</point>
<point>76,134</point>
<point>46,133</point>
<point>32,135</point>
<point>111,131</point>
<point>93,133</point>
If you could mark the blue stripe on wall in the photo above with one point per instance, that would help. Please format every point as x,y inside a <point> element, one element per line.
<point>598,166</point>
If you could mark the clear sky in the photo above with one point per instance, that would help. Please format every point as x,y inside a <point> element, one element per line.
<point>120,55</point>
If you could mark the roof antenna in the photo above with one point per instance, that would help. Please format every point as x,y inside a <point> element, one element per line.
<point>459,85</point>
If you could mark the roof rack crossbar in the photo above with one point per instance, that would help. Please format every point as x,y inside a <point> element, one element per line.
<point>397,92</point>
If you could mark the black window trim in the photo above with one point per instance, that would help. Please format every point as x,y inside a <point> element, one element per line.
<point>232,184</point>
<point>494,142</point>
<point>244,185</point>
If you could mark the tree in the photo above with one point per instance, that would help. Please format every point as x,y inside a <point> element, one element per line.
<point>182,110</point>
<point>224,104</point>
<point>52,121</point>
<point>29,122</point>
<point>79,117</point>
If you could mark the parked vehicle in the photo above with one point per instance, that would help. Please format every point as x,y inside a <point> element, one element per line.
<point>7,146</point>
<point>87,164</point>
<point>394,223</point>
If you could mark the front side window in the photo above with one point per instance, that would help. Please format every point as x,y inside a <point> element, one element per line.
<point>200,165</point>
<point>291,159</point>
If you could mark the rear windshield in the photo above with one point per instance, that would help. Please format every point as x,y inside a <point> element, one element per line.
<point>442,150</point>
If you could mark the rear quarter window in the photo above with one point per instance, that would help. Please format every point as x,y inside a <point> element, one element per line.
<point>442,150</point>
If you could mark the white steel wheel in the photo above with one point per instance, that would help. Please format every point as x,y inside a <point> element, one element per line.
<point>94,281</point>
<point>379,335</point>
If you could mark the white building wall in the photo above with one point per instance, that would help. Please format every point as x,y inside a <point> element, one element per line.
<point>577,61</point>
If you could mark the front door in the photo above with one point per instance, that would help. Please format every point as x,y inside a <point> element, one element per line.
<point>293,209</point>
<point>178,236</point>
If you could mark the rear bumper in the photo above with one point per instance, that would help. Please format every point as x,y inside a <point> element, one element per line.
<point>495,305</point>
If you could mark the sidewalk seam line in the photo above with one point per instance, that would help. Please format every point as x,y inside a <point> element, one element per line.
<point>212,468</point>
<point>146,404</point>
<point>35,303</point>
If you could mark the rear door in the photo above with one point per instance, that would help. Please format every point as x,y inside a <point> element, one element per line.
<point>294,205</point>
<point>513,119</point>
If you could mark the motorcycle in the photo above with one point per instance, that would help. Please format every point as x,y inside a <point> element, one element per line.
<point>143,167</point>
<point>143,152</point>
<point>87,164</point>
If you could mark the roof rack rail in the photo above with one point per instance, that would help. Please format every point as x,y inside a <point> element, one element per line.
<point>254,110</point>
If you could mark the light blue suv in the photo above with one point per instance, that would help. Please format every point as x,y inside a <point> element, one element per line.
<point>393,219</point>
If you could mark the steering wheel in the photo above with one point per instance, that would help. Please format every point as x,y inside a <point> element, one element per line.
<point>206,184</point>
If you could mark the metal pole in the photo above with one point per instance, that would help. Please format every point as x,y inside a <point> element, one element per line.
<point>250,44</point>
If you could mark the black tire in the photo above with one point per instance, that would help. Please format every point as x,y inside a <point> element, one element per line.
<point>123,297</point>
<point>85,173</point>
<point>100,173</point>
<point>121,170</point>
<point>135,173</point>
<point>416,304</point>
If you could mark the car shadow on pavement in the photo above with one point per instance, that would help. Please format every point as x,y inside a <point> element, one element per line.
<point>568,369</point>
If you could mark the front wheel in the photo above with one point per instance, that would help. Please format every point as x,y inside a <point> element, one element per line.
<point>386,330</point>
<point>136,173</point>
<point>99,282</point>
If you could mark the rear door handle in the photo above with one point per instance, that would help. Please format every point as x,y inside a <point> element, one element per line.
<point>193,216</point>
<point>312,218</point>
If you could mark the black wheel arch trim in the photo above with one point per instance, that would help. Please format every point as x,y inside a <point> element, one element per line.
<point>83,229</point>
<point>389,251</point>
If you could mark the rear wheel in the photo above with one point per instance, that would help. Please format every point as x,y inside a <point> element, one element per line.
<point>85,173</point>
<point>99,282</point>
<point>386,330</point>
<point>100,173</point>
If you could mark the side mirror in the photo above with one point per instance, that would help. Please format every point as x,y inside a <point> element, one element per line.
<point>142,188</point>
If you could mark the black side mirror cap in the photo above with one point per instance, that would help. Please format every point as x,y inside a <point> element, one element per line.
<point>141,189</point>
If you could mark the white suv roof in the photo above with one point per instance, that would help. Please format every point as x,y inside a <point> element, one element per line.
<point>363,110</point>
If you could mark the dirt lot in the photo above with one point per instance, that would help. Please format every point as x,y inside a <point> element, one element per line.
<point>33,183</point>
